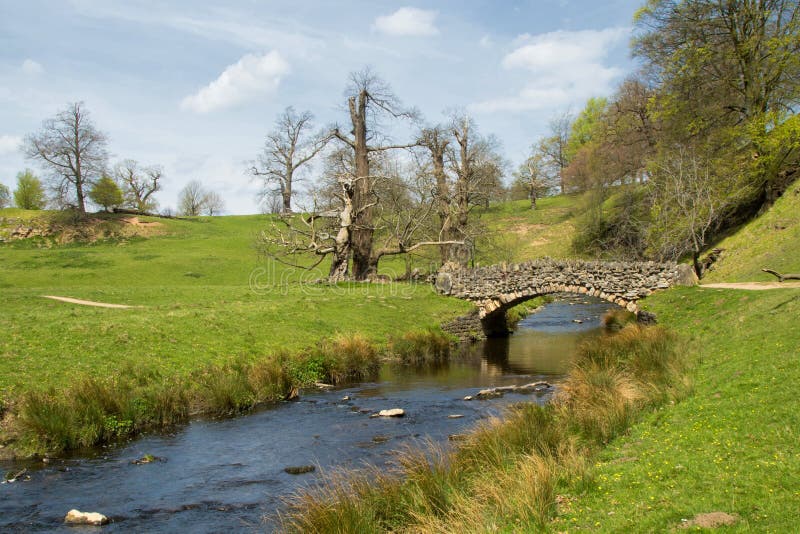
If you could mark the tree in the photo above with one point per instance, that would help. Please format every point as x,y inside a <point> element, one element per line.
<point>728,72</point>
<point>370,99</point>
<point>691,192</point>
<point>478,168</point>
<point>287,149</point>
<point>139,184</point>
<point>532,177</point>
<point>29,194</point>
<point>5,196</point>
<point>106,193</point>
<point>436,140</point>
<point>584,128</point>
<point>213,203</point>
<point>555,148</point>
<point>191,199</point>
<point>73,150</point>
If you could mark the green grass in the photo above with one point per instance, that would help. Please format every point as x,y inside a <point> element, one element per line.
<point>520,233</point>
<point>772,241</point>
<point>732,446</point>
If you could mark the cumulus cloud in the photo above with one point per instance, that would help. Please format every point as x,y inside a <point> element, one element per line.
<point>565,68</point>
<point>31,67</point>
<point>9,143</point>
<point>408,21</point>
<point>252,76</point>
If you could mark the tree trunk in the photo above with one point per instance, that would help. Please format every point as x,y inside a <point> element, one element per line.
<point>362,190</point>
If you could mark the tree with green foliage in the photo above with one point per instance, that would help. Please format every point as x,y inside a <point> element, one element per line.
<point>5,196</point>
<point>29,194</point>
<point>728,72</point>
<point>106,193</point>
<point>584,127</point>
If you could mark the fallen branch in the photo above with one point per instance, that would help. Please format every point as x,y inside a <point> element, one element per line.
<point>782,277</point>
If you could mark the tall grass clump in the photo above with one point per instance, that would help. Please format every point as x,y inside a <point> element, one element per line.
<point>422,346</point>
<point>99,410</point>
<point>615,319</point>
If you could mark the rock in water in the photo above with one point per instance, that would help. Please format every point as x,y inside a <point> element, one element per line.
<point>299,469</point>
<point>76,517</point>
<point>394,412</point>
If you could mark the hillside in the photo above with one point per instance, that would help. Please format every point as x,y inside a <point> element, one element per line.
<point>770,241</point>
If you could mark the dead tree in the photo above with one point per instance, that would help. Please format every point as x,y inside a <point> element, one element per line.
<point>782,277</point>
<point>436,141</point>
<point>370,99</point>
<point>287,149</point>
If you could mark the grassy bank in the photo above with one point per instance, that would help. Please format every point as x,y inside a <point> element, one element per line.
<point>507,473</point>
<point>95,410</point>
<point>731,447</point>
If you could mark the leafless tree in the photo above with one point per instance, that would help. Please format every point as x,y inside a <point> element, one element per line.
<point>555,146</point>
<point>287,149</point>
<point>213,203</point>
<point>478,169</point>
<point>369,100</point>
<point>191,199</point>
<point>73,150</point>
<point>436,140</point>
<point>139,184</point>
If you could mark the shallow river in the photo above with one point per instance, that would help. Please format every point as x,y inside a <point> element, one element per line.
<point>227,475</point>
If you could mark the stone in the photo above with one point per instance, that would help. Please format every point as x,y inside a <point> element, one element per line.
<point>76,517</point>
<point>299,469</point>
<point>686,276</point>
<point>393,412</point>
<point>469,398</point>
<point>455,416</point>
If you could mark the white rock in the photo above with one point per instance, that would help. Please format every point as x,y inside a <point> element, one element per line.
<point>394,412</point>
<point>75,517</point>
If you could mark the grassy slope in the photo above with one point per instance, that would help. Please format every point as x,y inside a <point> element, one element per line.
<point>197,306</point>
<point>732,446</point>
<point>522,233</point>
<point>771,241</point>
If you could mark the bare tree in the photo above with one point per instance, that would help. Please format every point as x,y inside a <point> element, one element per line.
<point>139,184</point>
<point>288,147</point>
<point>532,174</point>
<point>369,100</point>
<point>436,140</point>
<point>213,203</point>
<point>191,199</point>
<point>555,146</point>
<point>477,167</point>
<point>73,150</point>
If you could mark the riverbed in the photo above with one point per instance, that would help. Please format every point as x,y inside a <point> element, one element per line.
<point>228,474</point>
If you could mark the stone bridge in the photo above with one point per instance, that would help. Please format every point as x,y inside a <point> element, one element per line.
<point>497,288</point>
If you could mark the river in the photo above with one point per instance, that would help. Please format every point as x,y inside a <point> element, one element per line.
<point>227,475</point>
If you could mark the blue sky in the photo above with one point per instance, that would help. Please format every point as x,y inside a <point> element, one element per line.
<point>194,86</point>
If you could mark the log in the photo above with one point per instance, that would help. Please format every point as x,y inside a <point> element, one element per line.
<point>782,277</point>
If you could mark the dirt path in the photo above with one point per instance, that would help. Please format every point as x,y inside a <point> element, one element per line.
<point>753,286</point>
<point>88,302</point>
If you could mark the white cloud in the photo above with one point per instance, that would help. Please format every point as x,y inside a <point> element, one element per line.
<point>31,67</point>
<point>566,68</point>
<point>408,21</point>
<point>251,76</point>
<point>9,144</point>
<point>486,42</point>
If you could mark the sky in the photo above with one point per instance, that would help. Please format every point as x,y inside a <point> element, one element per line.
<point>195,86</point>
